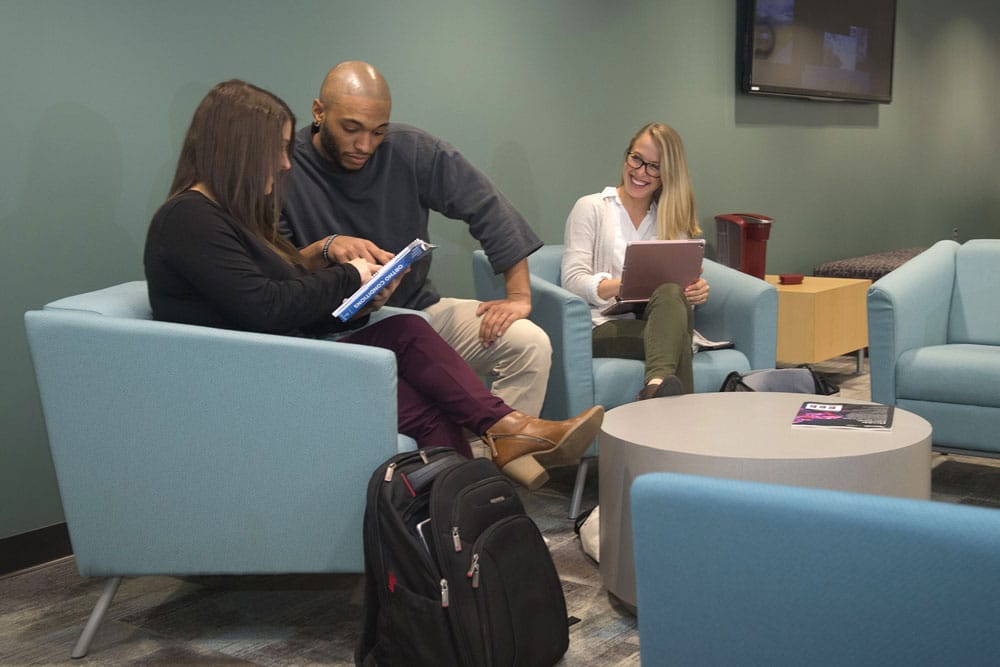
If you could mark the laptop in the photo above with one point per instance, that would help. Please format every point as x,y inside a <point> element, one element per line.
<point>649,264</point>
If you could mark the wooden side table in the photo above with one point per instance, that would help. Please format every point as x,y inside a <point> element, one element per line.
<point>821,318</point>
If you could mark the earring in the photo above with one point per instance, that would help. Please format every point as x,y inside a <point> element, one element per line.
<point>316,123</point>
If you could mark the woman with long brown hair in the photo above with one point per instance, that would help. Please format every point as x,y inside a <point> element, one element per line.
<point>654,200</point>
<point>214,257</point>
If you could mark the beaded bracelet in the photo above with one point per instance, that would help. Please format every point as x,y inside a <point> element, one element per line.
<point>326,247</point>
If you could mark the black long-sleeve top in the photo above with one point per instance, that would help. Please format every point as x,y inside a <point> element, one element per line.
<point>202,267</point>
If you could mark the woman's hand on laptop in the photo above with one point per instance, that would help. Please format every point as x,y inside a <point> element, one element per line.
<point>697,292</point>
<point>609,288</point>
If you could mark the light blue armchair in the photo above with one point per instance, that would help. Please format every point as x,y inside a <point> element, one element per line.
<point>741,308</point>
<point>184,450</point>
<point>934,341</point>
<point>743,573</point>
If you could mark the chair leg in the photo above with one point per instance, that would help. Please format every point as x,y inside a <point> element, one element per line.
<point>96,616</point>
<point>581,480</point>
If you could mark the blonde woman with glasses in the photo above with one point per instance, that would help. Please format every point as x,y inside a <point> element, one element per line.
<point>654,200</point>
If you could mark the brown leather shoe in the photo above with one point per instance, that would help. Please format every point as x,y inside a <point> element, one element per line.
<point>517,436</point>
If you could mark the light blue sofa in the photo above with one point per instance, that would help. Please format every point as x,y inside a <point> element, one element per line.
<point>934,341</point>
<point>740,308</point>
<point>183,450</point>
<point>743,573</point>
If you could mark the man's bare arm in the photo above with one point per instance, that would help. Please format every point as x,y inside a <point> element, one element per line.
<point>497,316</point>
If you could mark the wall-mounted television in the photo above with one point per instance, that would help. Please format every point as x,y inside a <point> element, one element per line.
<point>819,49</point>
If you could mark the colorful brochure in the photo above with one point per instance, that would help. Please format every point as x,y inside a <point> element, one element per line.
<point>859,416</point>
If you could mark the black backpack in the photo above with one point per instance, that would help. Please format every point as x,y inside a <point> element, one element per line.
<point>455,572</point>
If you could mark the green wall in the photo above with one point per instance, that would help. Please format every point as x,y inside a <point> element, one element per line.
<point>542,95</point>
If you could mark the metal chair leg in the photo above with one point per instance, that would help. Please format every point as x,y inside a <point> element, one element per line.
<point>96,616</point>
<point>581,480</point>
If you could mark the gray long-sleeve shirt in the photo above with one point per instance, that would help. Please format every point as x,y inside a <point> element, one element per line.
<point>388,202</point>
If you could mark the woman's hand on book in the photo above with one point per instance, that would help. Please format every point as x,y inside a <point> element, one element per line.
<point>364,267</point>
<point>382,297</point>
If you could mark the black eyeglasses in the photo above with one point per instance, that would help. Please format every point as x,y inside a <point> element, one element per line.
<point>635,161</point>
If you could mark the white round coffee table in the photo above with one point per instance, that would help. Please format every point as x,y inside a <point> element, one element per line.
<point>749,436</point>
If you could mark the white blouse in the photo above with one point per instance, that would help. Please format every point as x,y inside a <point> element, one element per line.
<point>598,230</point>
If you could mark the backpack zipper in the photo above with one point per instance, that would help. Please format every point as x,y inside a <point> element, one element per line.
<point>473,572</point>
<point>420,453</point>
<point>444,593</point>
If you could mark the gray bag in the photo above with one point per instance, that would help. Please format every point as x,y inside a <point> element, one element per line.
<point>801,380</point>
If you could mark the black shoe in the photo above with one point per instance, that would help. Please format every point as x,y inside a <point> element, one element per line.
<point>671,386</point>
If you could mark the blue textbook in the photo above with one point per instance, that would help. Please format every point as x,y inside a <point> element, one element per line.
<point>389,272</point>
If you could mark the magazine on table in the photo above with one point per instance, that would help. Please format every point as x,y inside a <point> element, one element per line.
<point>851,416</point>
<point>389,272</point>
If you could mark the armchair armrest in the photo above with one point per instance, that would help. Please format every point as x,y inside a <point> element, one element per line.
<point>191,450</point>
<point>391,311</point>
<point>489,286</point>
<point>908,308</point>
<point>566,318</point>
<point>740,308</point>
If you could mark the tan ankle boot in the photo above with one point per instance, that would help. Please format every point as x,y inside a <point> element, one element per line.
<point>517,437</point>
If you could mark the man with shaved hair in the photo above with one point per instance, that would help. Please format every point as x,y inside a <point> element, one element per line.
<point>363,187</point>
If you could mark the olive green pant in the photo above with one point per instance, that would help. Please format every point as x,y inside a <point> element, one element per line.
<point>660,336</point>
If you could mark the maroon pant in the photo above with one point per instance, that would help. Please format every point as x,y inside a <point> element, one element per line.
<point>438,394</point>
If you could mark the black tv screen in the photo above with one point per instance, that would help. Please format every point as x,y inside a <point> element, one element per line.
<point>821,49</point>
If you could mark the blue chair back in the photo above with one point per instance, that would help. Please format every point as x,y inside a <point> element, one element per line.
<point>743,573</point>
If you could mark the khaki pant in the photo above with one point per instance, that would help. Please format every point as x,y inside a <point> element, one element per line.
<point>518,362</point>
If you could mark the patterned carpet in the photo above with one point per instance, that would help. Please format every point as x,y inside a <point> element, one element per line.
<point>271,620</point>
<point>306,620</point>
